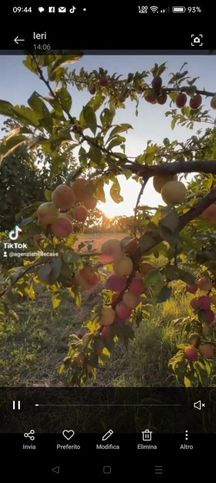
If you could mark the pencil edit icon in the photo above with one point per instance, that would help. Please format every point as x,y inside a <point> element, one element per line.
<point>107,435</point>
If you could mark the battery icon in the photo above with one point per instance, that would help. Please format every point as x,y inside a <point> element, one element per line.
<point>178,9</point>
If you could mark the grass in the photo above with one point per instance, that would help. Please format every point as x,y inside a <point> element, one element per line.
<point>146,361</point>
<point>33,347</point>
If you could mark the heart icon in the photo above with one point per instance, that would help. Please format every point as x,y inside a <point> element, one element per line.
<point>68,434</point>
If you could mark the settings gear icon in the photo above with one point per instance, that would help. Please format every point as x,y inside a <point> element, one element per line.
<point>196,40</point>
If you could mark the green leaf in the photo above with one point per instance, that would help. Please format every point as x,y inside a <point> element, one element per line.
<point>172,272</point>
<point>170,222</point>
<point>97,101</point>
<point>146,242</point>
<point>164,294</point>
<point>187,382</point>
<point>56,165</point>
<point>90,118</point>
<point>115,142</point>
<point>67,59</point>
<point>48,195</point>
<point>173,122</point>
<point>43,273</point>
<point>115,191</point>
<point>30,64</point>
<point>8,146</point>
<point>6,108</point>
<point>187,277</point>
<point>106,117</point>
<point>65,98</point>
<point>154,279</point>
<point>118,129</point>
<point>56,267</point>
<point>36,103</point>
<point>95,155</point>
<point>26,115</point>
<point>56,301</point>
<point>99,193</point>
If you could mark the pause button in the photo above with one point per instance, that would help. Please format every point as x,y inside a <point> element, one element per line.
<point>16,405</point>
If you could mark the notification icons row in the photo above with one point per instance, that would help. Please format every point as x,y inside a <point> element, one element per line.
<point>63,9</point>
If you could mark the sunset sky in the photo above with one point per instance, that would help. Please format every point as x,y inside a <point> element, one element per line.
<point>17,84</point>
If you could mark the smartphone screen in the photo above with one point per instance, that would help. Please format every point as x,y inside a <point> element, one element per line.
<point>107,241</point>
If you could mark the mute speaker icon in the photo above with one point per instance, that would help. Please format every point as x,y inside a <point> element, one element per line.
<point>199,405</point>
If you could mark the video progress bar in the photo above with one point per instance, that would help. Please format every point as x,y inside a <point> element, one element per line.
<point>106,405</point>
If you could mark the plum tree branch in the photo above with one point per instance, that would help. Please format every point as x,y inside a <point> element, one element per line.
<point>177,167</point>
<point>137,203</point>
<point>190,215</point>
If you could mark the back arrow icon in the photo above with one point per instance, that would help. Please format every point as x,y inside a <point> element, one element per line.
<point>17,40</point>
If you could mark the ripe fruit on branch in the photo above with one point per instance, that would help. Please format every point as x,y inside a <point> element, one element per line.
<point>208,316</point>
<point>150,96</point>
<point>207,350</point>
<point>83,189</point>
<point>113,249</point>
<point>204,284</point>
<point>87,278</point>
<point>123,267</point>
<point>106,332</point>
<point>195,101</point>
<point>159,181</point>
<point>107,316</point>
<point>62,227</point>
<point>195,340</point>
<point>209,214</point>
<point>191,353</point>
<point>181,100</point>
<point>129,245</point>
<point>195,304</point>
<point>130,299</point>
<point>91,203</point>
<point>173,192</point>
<point>80,213</point>
<point>104,81</point>
<point>136,286</point>
<point>123,311</point>
<point>92,89</point>
<point>63,197</point>
<point>156,84</point>
<point>162,98</point>
<point>47,213</point>
<point>146,268</point>
<point>191,288</point>
<point>204,303</point>
<point>213,102</point>
<point>116,283</point>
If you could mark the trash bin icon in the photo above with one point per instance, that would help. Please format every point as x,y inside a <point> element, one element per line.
<point>146,435</point>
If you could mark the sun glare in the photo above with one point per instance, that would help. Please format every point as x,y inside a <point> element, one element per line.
<point>129,191</point>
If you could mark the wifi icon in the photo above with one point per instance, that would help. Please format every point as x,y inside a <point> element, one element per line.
<point>154,9</point>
